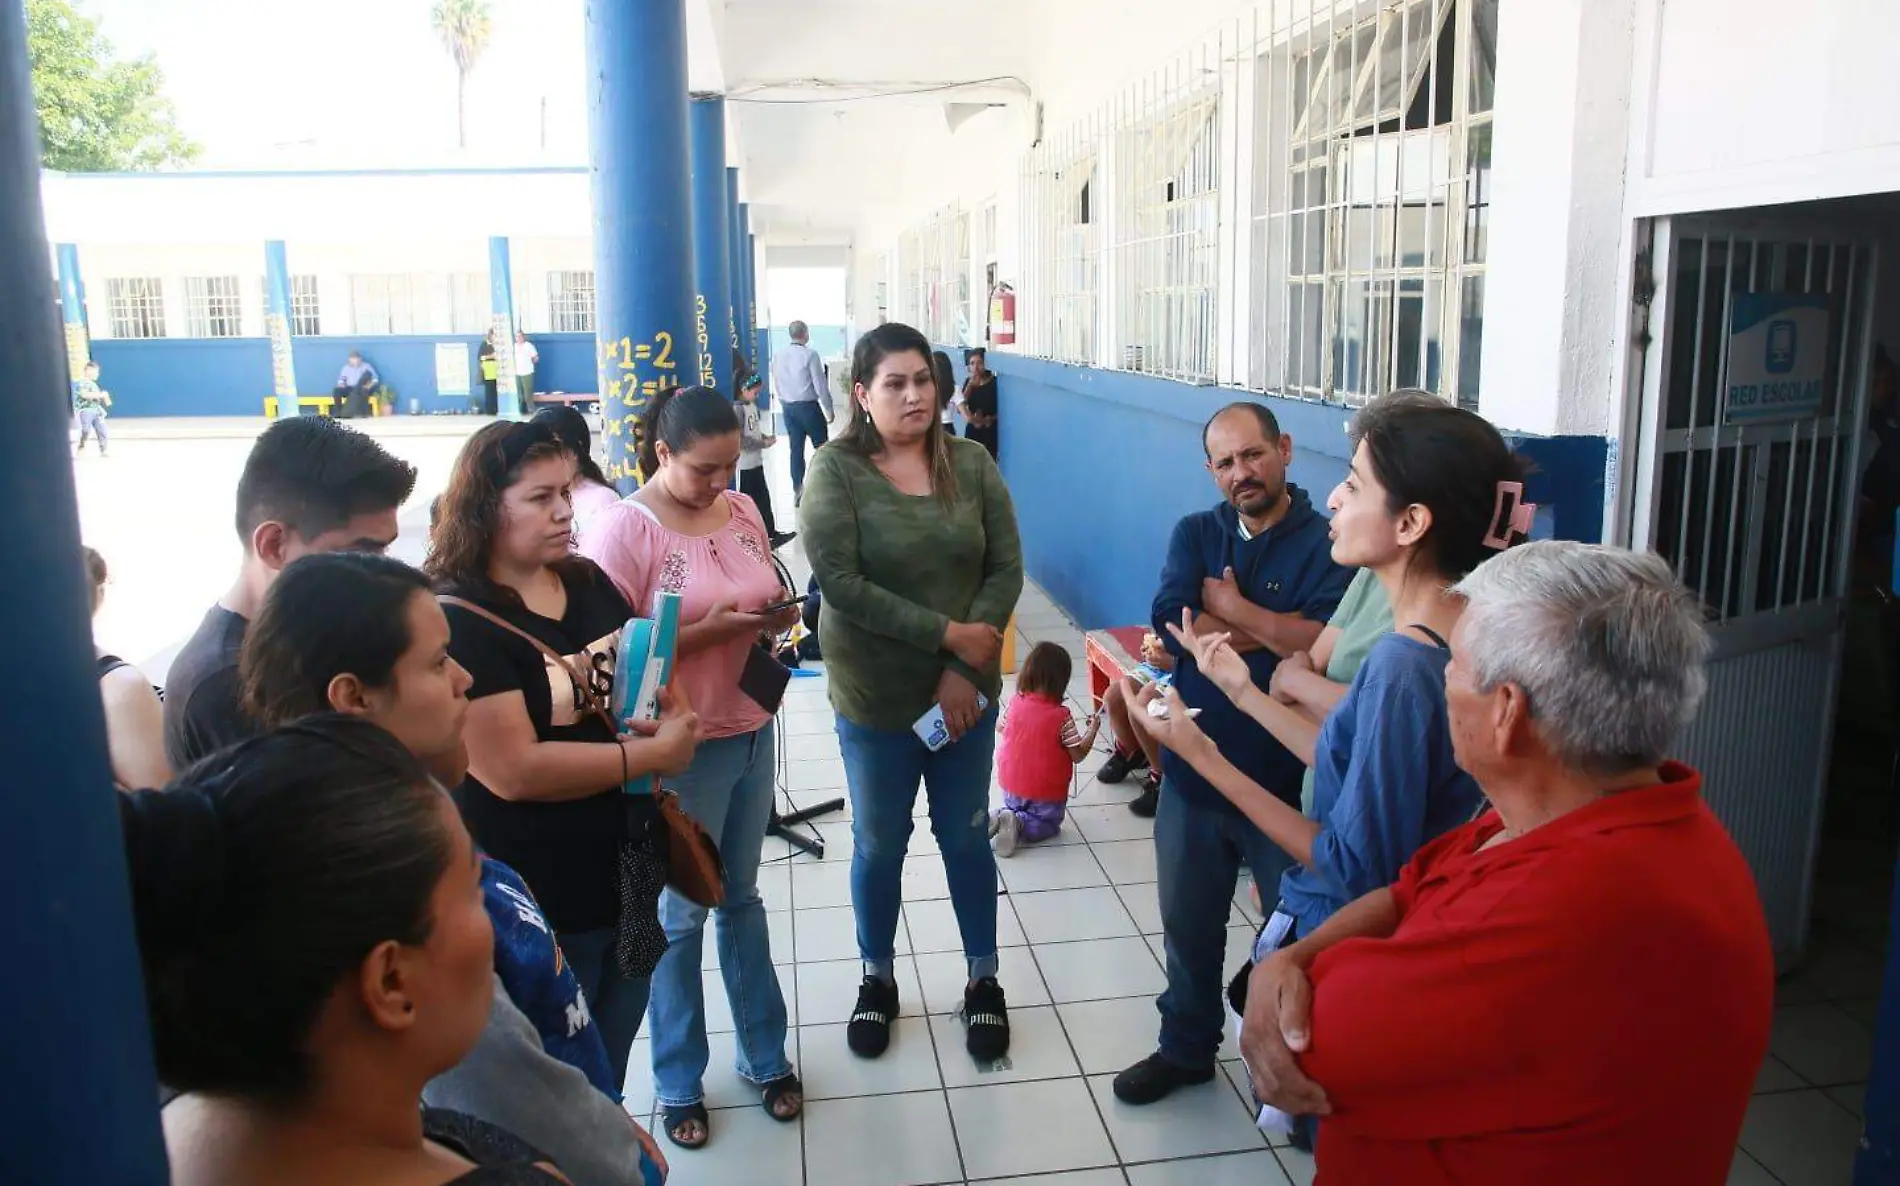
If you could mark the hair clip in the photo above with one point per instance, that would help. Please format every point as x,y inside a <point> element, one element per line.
<point>1516,522</point>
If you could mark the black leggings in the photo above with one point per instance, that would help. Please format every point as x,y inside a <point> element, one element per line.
<point>753,485</point>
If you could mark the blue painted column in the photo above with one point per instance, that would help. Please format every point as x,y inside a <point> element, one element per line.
<point>712,244</point>
<point>761,322</point>
<point>501,326</point>
<point>643,266</point>
<point>81,1100</point>
<point>283,375</point>
<point>72,304</point>
<point>735,264</point>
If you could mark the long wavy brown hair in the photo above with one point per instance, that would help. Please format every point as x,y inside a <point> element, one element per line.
<point>468,515</point>
<point>861,435</point>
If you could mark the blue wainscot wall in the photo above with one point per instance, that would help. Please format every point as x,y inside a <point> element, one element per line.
<point>231,376</point>
<point>1102,464</point>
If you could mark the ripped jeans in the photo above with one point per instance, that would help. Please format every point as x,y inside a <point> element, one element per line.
<point>883,769</point>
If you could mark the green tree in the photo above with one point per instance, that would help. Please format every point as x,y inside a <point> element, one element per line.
<point>464,28</point>
<point>97,114</point>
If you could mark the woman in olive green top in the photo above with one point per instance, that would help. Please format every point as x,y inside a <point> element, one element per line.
<point>913,540</point>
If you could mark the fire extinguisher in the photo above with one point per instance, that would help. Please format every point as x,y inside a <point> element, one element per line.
<point>1002,315</point>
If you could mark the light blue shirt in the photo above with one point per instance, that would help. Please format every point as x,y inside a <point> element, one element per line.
<point>798,377</point>
<point>1384,782</point>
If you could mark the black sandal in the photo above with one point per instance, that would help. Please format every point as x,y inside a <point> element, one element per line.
<point>674,1119</point>
<point>778,1089</point>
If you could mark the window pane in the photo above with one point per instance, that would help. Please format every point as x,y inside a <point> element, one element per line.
<point>1484,54</point>
<point>1470,341</point>
<point>1477,192</point>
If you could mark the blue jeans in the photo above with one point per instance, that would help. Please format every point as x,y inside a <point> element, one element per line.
<point>616,1003</point>
<point>728,789</point>
<point>883,770</point>
<point>1198,850</point>
<point>804,421</point>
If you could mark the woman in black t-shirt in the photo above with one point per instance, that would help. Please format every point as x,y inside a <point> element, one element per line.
<point>544,769</point>
<point>979,401</point>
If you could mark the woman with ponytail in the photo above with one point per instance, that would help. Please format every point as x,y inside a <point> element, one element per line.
<point>310,925</point>
<point>686,531</point>
<point>1431,493</point>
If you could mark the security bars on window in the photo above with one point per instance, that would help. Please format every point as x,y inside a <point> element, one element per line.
<point>571,302</point>
<point>213,308</point>
<point>137,307</point>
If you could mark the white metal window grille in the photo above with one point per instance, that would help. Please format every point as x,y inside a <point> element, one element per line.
<point>137,305</point>
<point>306,316</point>
<point>386,305</point>
<point>1372,154</point>
<point>1167,243</point>
<point>306,311</point>
<point>213,308</point>
<point>469,311</point>
<point>959,320</point>
<point>1057,310</point>
<point>571,302</point>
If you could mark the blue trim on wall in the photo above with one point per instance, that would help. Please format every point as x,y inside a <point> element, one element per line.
<point>1103,464</point>
<point>231,376</point>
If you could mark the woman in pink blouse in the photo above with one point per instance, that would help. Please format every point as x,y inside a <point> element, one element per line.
<point>687,532</point>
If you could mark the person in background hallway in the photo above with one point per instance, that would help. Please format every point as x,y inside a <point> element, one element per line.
<point>526,356</point>
<point>135,720</point>
<point>590,491</point>
<point>754,440</point>
<point>804,399</point>
<point>491,375</point>
<point>1577,987</point>
<point>979,404</point>
<point>913,541</point>
<point>363,635</point>
<point>1256,566</point>
<point>354,385</point>
<point>90,402</point>
<point>947,390</point>
<point>309,485</point>
<point>685,531</point>
<point>1037,748</point>
<point>545,769</point>
<point>310,925</point>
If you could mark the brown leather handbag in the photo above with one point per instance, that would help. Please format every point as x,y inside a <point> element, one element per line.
<point>694,868</point>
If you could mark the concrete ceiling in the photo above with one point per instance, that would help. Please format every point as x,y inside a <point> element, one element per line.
<point>839,106</point>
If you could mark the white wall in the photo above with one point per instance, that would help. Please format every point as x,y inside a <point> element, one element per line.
<point>1752,102</point>
<point>1553,270</point>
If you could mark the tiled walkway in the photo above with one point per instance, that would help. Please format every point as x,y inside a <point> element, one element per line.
<point>1080,925</point>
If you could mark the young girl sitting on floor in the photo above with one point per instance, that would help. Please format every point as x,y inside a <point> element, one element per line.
<point>1037,749</point>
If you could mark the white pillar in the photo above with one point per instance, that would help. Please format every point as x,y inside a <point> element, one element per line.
<point>1551,321</point>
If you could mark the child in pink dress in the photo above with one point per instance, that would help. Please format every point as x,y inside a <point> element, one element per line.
<point>1037,748</point>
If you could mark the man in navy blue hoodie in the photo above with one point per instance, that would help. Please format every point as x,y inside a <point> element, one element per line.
<point>1259,566</point>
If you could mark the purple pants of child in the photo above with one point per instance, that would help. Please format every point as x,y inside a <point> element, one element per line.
<point>1039,819</point>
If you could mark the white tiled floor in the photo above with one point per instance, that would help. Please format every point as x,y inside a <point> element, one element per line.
<point>1079,928</point>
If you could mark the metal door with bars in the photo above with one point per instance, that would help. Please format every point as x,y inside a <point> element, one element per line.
<point>1756,513</point>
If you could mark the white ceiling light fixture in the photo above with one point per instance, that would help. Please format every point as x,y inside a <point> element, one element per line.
<point>955,115</point>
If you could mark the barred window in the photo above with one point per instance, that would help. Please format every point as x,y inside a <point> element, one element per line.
<point>1167,247</point>
<point>306,319</point>
<point>469,311</point>
<point>385,305</point>
<point>1370,224</point>
<point>137,307</point>
<point>571,302</point>
<point>213,308</point>
<point>1064,252</point>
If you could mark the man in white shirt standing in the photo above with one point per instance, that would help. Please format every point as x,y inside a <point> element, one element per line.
<point>525,358</point>
<point>804,395</point>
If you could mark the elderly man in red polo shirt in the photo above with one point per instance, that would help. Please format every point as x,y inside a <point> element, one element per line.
<point>1575,988</point>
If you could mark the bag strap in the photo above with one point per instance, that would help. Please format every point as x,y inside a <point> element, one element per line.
<point>1436,637</point>
<point>582,687</point>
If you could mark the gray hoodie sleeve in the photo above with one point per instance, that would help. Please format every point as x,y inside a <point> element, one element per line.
<point>508,1080</point>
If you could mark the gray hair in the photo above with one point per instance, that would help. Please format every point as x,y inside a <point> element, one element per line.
<point>798,331</point>
<point>1606,643</point>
